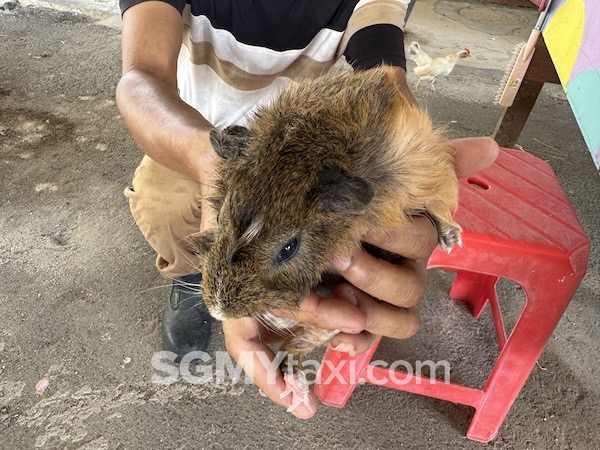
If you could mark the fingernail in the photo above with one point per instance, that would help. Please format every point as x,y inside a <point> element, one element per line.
<point>346,348</point>
<point>342,262</point>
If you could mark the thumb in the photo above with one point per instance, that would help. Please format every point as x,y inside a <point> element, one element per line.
<point>474,154</point>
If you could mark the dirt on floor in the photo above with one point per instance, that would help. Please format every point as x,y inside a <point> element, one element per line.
<point>80,301</point>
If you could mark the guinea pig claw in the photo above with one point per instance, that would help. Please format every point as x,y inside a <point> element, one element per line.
<point>448,237</point>
<point>297,385</point>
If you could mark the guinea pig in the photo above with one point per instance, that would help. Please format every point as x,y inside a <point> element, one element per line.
<point>326,161</point>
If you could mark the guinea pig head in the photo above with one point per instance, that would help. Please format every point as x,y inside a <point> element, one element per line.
<point>281,218</point>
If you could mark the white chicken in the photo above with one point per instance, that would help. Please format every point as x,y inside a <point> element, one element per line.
<point>429,68</point>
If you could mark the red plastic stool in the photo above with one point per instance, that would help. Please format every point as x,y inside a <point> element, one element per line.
<point>518,225</point>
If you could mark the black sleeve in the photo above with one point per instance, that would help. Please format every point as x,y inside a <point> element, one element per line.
<point>376,45</point>
<point>126,4</point>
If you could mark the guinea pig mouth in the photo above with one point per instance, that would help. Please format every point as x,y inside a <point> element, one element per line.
<point>217,313</point>
<point>220,314</point>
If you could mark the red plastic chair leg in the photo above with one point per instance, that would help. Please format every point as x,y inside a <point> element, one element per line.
<point>518,357</point>
<point>478,290</point>
<point>475,289</point>
<point>340,374</point>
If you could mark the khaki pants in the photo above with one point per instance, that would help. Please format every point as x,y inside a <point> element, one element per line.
<point>166,208</point>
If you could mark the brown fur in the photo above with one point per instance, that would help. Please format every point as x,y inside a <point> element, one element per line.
<point>327,161</point>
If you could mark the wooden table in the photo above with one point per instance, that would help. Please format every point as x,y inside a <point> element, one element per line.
<point>569,54</point>
<point>512,120</point>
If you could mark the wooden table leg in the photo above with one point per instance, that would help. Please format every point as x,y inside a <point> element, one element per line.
<point>512,120</point>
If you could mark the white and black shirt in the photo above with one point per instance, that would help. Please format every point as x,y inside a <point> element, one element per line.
<point>236,54</point>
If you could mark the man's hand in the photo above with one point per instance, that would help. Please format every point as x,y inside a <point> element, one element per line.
<point>247,341</point>
<point>399,288</point>
<point>352,307</point>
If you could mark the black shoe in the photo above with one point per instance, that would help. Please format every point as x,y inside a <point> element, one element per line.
<point>186,321</point>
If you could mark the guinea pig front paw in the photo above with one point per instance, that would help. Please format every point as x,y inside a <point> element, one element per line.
<point>448,237</point>
<point>298,386</point>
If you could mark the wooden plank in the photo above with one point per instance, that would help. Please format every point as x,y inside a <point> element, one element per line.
<point>513,119</point>
<point>541,67</point>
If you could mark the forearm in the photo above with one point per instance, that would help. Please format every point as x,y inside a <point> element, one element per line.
<point>166,128</point>
<point>403,85</point>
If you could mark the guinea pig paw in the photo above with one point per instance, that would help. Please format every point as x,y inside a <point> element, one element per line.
<point>298,386</point>
<point>448,237</point>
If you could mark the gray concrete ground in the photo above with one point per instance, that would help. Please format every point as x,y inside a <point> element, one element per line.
<point>80,301</point>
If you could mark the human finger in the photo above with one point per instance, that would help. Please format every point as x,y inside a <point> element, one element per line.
<point>261,365</point>
<point>353,343</point>
<point>473,154</point>
<point>415,240</point>
<point>400,284</point>
<point>328,313</point>
<point>382,318</point>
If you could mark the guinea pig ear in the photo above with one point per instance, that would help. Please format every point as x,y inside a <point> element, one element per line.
<point>231,142</point>
<point>201,243</point>
<point>338,191</point>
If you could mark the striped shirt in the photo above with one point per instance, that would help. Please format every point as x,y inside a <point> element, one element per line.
<point>236,54</point>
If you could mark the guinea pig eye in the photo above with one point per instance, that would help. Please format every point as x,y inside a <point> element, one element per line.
<point>288,250</point>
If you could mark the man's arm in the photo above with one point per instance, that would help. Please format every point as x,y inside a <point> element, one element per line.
<point>403,84</point>
<point>166,128</point>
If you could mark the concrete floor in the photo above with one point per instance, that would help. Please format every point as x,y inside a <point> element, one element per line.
<point>80,301</point>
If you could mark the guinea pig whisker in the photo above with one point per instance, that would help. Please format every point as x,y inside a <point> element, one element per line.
<point>278,324</point>
<point>282,319</point>
<point>267,322</point>
<point>266,326</point>
<point>162,286</point>
<point>194,287</point>
<point>260,339</point>
<point>199,292</point>
<point>187,257</point>
<point>260,319</point>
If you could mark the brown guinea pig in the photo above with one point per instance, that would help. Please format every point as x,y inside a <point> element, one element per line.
<point>326,161</point>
